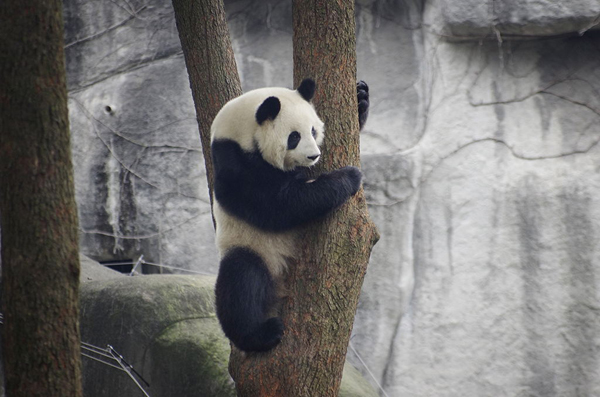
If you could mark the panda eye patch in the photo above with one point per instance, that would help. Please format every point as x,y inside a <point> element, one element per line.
<point>293,140</point>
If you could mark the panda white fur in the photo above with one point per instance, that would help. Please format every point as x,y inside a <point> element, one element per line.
<point>262,142</point>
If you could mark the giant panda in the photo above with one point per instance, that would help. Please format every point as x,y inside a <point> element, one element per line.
<point>262,142</point>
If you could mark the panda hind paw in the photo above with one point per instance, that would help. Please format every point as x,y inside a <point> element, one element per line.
<point>272,331</point>
<point>264,338</point>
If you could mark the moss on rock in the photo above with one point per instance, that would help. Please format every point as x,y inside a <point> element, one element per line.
<point>166,327</point>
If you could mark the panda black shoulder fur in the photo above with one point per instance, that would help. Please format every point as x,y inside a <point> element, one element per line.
<point>261,142</point>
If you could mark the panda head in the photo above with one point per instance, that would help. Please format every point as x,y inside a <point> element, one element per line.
<point>289,132</point>
<point>279,123</point>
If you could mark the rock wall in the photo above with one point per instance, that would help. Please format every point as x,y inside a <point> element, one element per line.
<point>474,19</point>
<point>140,179</point>
<point>480,161</point>
<point>486,279</point>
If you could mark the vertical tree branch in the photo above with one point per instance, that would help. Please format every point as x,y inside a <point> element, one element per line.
<point>324,282</point>
<point>38,214</point>
<point>210,63</point>
<point>325,50</point>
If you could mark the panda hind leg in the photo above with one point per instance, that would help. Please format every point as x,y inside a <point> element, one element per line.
<point>245,294</point>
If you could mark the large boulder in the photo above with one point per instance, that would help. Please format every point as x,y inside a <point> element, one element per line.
<point>93,271</point>
<point>166,328</point>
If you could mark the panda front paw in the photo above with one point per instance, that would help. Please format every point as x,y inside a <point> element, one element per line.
<point>337,186</point>
<point>362,91</point>
<point>353,177</point>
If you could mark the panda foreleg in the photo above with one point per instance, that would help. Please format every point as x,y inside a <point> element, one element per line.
<point>279,208</point>
<point>309,200</point>
<point>245,294</point>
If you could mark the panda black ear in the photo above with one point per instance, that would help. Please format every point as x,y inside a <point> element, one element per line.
<point>307,89</point>
<point>269,109</point>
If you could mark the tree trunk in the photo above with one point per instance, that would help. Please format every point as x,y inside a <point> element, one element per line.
<point>38,214</point>
<point>324,282</point>
<point>210,63</point>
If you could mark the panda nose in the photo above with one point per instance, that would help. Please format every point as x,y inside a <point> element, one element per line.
<point>316,156</point>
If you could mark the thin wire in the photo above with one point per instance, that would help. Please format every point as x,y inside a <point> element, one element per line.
<point>368,370</point>
<point>101,361</point>
<point>159,265</point>
<point>139,262</point>
<point>107,355</point>
<point>121,358</point>
<point>121,362</point>
<point>109,264</point>
<point>178,268</point>
<point>98,351</point>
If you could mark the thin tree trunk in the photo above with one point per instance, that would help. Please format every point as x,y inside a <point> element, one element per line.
<point>38,215</point>
<point>210,63</point>
<point>324,282</point>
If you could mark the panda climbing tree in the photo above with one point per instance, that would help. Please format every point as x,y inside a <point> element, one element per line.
<point>291,340</point>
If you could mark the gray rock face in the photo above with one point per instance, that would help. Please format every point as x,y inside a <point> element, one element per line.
<point>468,19</point>
<point>139,177</point>
<point>485,280</point>
<point>480,161</point>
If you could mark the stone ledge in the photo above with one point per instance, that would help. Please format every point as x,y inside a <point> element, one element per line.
<point>468,20</point>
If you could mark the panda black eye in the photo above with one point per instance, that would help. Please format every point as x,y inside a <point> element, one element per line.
<point>314,132</point>
<point>293,140</point>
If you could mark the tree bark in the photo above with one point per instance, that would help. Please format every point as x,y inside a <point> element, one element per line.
<point>324,281</point>
<point>210,63</point>
<point>38,214</point>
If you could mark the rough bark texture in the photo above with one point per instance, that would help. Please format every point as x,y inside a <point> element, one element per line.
<point>324,282</point>
<point>40,262</point>
<point>210,63</point>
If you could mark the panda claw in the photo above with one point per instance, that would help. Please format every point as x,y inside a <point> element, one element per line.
<point>362,92</point>
<point>362,86</point>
